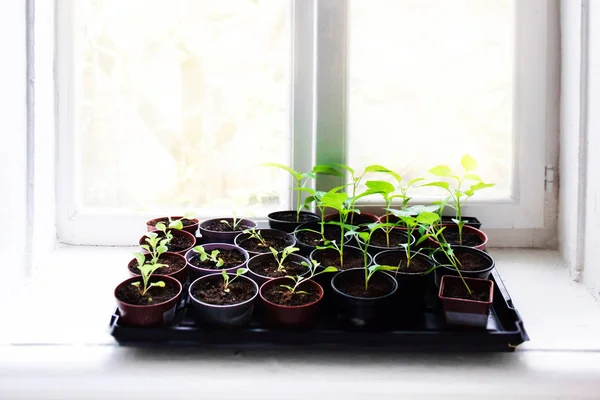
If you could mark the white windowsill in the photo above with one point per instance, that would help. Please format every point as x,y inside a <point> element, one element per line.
<point>561,317</point>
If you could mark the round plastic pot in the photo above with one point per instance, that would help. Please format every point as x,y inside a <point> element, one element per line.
<point>196,272</point>
<point>354,218</point>
<point>465,312</point>
<point>362,311</point>
<point>412,286</point>
<point>318,253</point>
<point>210,236</point>
<point>470,221</point>
<point>175,233</point>
<point>374,250</point>
<point>152,314</point>
<point>290,316</point>
<point>257,259</point>
<point>266,234</point>
<point>306,249</point>
<point>275,221</point>
<point>150,225</point>
<point>466,228</point>
<point>229,316</point>
<point>439,258</point>
<point>181,274</point>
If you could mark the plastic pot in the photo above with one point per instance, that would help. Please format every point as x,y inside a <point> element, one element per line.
<point>439,258</point>
<point>470,221</point>
<point>331,233</point>
<point>412,286</point>
<point>290,316</point>
<point>363,311</point>
<point>181,274</point>
<point>211,236</point>
<point>150,225</point>
<point>374,250</point>
<point>354,218</point>
<point>466,228</point>
<point>197,272</point>
<point>281,220</point>
<point>257,259</point>
<point>176,233</point>
<point>266,234</point>
<point>151,314</point>
<point>230,315</point>
<point>351,251</point>
<point>465,312</point>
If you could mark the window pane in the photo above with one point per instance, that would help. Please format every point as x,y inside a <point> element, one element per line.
<point>429,81</point>
<point>177,102</point>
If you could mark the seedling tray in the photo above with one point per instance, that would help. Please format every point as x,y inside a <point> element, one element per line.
<point>417,331</point>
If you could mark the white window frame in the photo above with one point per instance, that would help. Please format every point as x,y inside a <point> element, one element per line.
<point>319,106</point>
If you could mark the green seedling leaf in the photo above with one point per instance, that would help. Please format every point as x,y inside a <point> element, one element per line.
<point>291,289</point>
<point>136,284</point>
<point>297,175</point>
<point>176,225</point>
<point>440,170</point>
<point>162,249</point>
<point>330,269</point>
<point>472,177</point>
<point>141,259</point>
<point>413,181</point>
<point>325,169</point>
<point>220,262</point>
<point>443,185</point>
<point>427,218</point>
<point>160,226</point>
<point>468,163</point>
<point>380,186</point>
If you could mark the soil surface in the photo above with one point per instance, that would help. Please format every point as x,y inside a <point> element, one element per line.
<point>458,291</point>
<point>332,232</point>
<point>290,216</point>
<point>267,266</point>
<point>358,219</point>
<point>173,262</point>
<point>354,285</point>
<point>470,261</point>
<point>468,238</point>
<point>231,259</point>
<point>330,257</point>
<point>396,236</point>
<point>282,296</point>
<point>184,221</point>
<point>178,243</point>
<point>131,295</point>
<point>210,290</point>
<point>417,264</point>
<point>223,227</point>
<point>255,246</point>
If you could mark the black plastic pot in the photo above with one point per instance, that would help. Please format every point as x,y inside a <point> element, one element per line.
<point>439,258</point>
<point>288,238</point>
<point>279,220</point>
<point>229,316</point>
<point>211,236</point>
<point>465,312</point>
<point>331,233</point>
<point>363,311</point>
<point>374,250</point>
<point>260,279</point>
<point>471,221</point>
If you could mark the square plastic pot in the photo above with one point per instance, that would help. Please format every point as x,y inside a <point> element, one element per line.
<point>465,312</point>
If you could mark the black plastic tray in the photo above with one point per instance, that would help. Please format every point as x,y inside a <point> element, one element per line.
<point>424,331</point>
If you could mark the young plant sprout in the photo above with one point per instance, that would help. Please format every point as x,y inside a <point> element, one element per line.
<point>234,222</point>
<point>178,223</point>
<point>438,235</point>
<point>284,254</point>
<point>155,247</point>
<point>457,195</point>
<point>302,178</point>
<point>254,234</point>
<point>227,281</point>
<point>301,279</point>
<point>166,231</point>
<point>212,257</point>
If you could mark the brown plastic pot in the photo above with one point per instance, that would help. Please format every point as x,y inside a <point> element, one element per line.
<point>266,234</point>
<point>466,228</point>
<point>210,236</point>
<point>152,314</point>
<point>176,233</point>
<point>181,274</point>
<point>277,221</point>
<point>196,272</point>
<point>464,312</point>
<point>150,225</point>
<point>290,316</point>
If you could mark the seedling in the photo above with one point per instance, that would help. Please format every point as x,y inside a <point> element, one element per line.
<point>457,195</point>
<point>227,281</point>
<point>298,280</point>
<point>155,247</point>
<point>212,257</point>
<point>254,234</point>
<point>235,222</point>
<point>302,178</point>
<point>166,231</point>
<point>281,256</point>
<point>444,247</point>
<point>178,223</point>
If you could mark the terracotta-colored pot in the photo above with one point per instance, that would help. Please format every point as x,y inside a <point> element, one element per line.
<point>210,236</point>
<point>176,233</point>
<point>466,228</point>
<point>150,225</point>
<point>266,234</point>
<point>152,314</point>
<point>466,312</point>
<point>260,279</point>
<point>196,272</point>
<point>181,274</point>
<point>290,316</point>
<point>276,221</point>
<point>439,258</point>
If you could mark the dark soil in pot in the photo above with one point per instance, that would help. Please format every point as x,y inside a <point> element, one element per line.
<point>354,286</point>
<point>165,220</point>
<point>131,295</point>
<point>282,296</point>
<point>218,226</point>
<point>459,291</point>
<point>354,218</point>
<point>174,262</point>
<point>468,238</point>
<point>313,239</point>
<point>291,216</point>
<point>353,258</point>
<point>398,258</point>
<point>231,259</point>
<point>397,237</point>
<point>210,290</point>
<point>255,246</point>
<point>181,241</point>
<point>474,263</point>
<point>267,266</point>
<point>282,309</point>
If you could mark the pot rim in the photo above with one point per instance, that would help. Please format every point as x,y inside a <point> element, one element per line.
<point>245,220</point>
<point>369,257</point>
<point>268,278</point>
<point>412,242</point>
<point>390,277</point>
<point>174,231</point>
<point>270,216</point>
<point>452,277</point>
<point>225,246</point>
<point>278,234</point>
<point>193,298</point>
<point>196,220</point>
<point>161,277</point>
<point>467,248</point>
<point>468,227</point>
<point>166,252</point>
<point>272,281</point>
<point>408,273</point>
